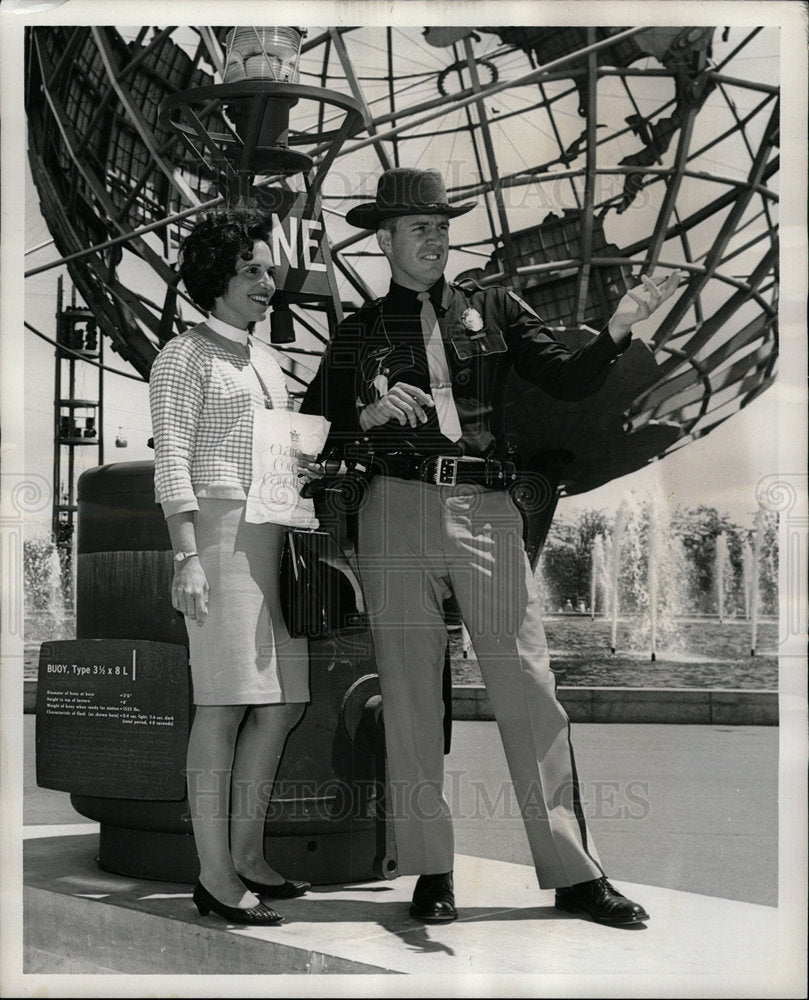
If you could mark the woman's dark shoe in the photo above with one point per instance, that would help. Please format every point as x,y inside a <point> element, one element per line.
<point>601,901</point>
<point>254,916</point>
<point>284,890</point>
<point>434,899</point>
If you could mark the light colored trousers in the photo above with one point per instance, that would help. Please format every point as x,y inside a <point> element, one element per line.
<point>418,544</point>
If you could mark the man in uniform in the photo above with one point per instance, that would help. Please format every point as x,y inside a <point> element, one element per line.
<point>418,379</point>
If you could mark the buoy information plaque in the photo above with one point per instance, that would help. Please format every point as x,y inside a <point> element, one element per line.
<point>112,718</point>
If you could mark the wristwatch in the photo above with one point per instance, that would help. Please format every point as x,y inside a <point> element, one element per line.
<point>182,556</point>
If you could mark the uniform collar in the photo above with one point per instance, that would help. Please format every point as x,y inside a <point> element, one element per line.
<point>226,330</point>
<point>408,296</point>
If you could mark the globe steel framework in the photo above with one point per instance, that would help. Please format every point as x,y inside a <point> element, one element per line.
<point>628,119</point>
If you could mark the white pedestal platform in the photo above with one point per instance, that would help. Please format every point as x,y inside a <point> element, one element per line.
<point>78,919</point>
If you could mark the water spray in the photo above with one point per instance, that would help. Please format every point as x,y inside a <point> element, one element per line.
<point>654,559</point>
<point>758,542</point>
<point>721,560</point>
<point>615,566</point>
<point>596,574</point>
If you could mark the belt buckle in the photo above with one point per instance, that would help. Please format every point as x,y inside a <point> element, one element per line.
<point>446,470</point>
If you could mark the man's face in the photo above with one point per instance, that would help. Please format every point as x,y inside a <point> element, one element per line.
<point>417,249</point>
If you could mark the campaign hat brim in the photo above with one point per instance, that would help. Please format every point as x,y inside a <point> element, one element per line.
<point>369,215</point>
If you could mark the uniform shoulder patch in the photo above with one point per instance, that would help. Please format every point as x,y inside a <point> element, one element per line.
<point>522,304</point>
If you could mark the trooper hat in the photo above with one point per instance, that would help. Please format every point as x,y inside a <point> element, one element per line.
<point>406,191</point>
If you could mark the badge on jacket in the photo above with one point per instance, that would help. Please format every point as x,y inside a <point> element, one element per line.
<point>476,340</point>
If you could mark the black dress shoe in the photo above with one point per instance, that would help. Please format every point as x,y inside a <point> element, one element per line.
<point>255,916</point>
<point>288,889</point>
<point>601,901</point>
<point>433,899</point>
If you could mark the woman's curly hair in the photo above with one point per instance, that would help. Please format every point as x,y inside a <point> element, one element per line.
<point>208,255</point>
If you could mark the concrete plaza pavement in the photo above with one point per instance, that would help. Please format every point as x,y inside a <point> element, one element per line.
<point>693,808</point>
<point>685,819</point>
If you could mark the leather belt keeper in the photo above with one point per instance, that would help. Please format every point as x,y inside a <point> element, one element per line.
<point>447,470</point>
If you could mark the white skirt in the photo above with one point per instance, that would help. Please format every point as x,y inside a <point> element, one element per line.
<point>243,653</point>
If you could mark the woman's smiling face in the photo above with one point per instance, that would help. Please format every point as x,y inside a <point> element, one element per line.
<point>247,296</point>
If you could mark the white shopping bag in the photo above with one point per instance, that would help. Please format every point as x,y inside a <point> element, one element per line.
<point>279,436</point>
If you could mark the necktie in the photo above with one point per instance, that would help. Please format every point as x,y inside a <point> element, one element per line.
<point>440,386</point>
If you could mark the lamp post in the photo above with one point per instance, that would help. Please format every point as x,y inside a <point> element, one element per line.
<point>261,86</point>
<point>263,55</point>
<point>255,102</point>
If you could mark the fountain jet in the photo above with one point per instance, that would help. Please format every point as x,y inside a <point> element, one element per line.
<point>758,542</point>
<point>652,575</point>
<point>597,571</point>
<point>615,567</point>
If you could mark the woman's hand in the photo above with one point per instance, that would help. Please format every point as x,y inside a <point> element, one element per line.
<point>189,590</point>
<point>640,302</point>
<point>309,468</point>
<point>402,402</point>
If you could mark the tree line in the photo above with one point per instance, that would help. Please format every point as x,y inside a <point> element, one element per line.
<point>690,545</point>
<point>688,555</point>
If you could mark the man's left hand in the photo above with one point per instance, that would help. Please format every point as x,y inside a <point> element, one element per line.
<point>309,468</point>
<point>640,302</point>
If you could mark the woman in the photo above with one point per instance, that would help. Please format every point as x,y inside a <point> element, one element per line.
<point>250,679</point>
